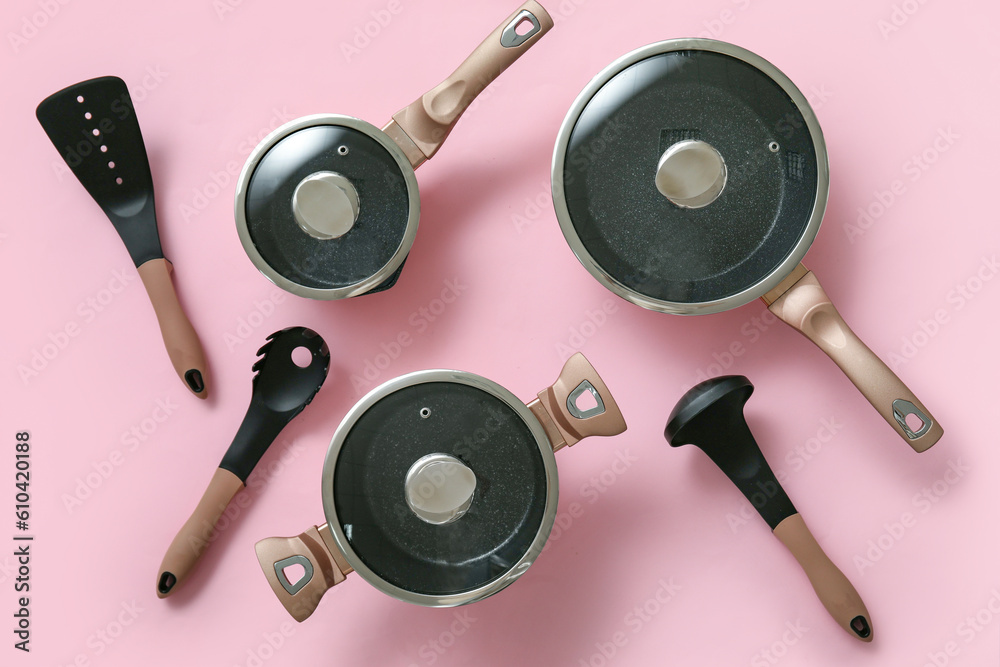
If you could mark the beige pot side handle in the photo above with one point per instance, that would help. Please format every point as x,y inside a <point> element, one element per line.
<point>323,564</point>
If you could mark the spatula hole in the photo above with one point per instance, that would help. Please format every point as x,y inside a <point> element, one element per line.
<point>118,180</point>
<point>79,98</point>
<point>523,27</point>
<point>111,165</point>
<point>104,149</point>
<point>88,115</point>
<point>294,573</point>
<point>914,422</point>
<point>96,132</point>
<point>302,357</point>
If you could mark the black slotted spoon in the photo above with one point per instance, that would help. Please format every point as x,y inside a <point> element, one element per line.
<point>94,127</point>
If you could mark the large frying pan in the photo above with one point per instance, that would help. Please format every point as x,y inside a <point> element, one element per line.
<point>691,177</point>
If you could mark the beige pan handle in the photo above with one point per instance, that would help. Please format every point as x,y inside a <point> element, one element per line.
<point>806,307</point>
<point>833,589</point>
<point>316,551</point>
<point>558,410</point>
<point>425,124</point>
<point>179,336</point>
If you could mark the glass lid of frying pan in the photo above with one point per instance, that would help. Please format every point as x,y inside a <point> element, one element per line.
<point>690,176</point>
<point>468,442</point>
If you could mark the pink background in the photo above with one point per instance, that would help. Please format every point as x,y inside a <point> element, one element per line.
<point>208,83</point>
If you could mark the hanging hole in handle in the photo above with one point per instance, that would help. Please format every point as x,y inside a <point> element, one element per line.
<point>302,357</point>
<point>291,566</point>
<point>520,29</point>
<point>910,418</point>
<point>774,147</point>
<point>585,395</point>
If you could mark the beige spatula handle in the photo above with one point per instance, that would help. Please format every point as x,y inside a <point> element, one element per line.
<point>179,337</point>
<point>807,308</point>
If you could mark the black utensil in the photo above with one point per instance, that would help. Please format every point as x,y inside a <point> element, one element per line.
<point>94,127</point>
<point>710,416</point>
<point>283,386</point>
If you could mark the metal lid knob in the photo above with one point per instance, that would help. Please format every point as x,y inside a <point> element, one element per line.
<point>691,174</point>
<point>325,205</point>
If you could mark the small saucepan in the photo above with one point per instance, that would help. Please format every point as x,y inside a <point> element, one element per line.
<point>440,488</point>
<point>327,205</point>
<point>691,177</point>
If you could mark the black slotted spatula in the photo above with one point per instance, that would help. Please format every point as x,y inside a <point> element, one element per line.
<point>94,127</point>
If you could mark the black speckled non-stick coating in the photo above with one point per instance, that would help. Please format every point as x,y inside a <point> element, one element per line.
<point>383,207</point>
<point>637,235</point>
<point>480,430</point>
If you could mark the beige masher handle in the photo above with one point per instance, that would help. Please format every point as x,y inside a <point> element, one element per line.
<point>832,587</point>
<point>807,308</point>
<point>430,118</point>
<point>179,337</point>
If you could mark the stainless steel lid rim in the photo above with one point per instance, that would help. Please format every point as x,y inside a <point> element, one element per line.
<point>413,194</point>
<point>576,243</point>
<point>545,450</point>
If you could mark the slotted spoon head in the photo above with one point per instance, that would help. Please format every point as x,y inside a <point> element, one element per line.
<point>279,381</point>
<point>94,127</point>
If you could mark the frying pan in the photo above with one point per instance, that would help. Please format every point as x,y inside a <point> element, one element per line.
<point>327,205</point>
<point>690,177</point>
<point>440,488</point>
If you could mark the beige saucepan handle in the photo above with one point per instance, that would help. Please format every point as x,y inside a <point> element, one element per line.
<point>833,589</point>
<point>427,122</point>
<point>179,336</point>
<point>807,308</point>
<point>316,552</point>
